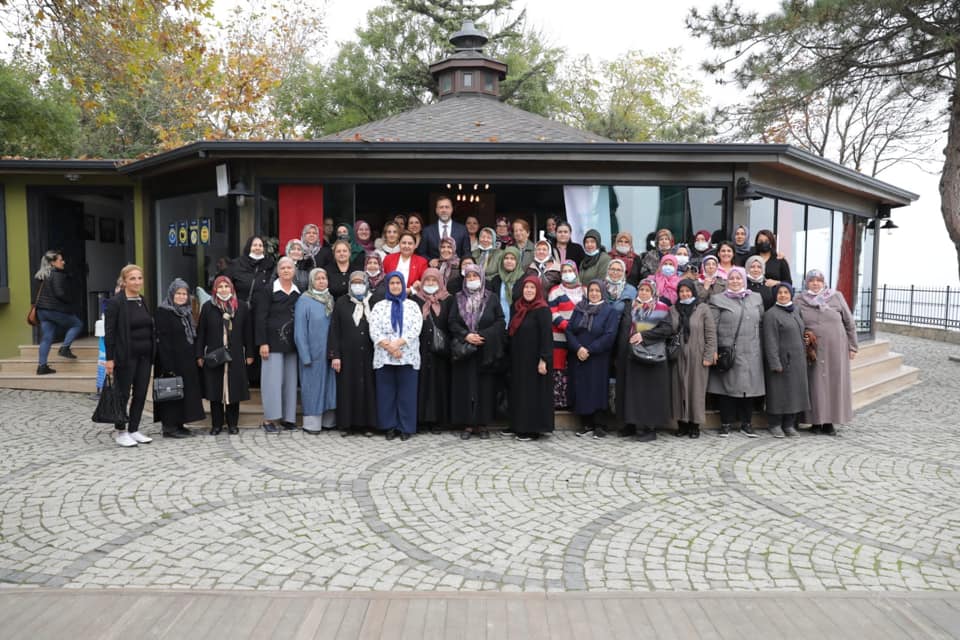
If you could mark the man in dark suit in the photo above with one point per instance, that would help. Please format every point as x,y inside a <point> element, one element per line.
<point>444,227</point>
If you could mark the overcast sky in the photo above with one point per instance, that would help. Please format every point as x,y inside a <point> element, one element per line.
<point>607,28</point>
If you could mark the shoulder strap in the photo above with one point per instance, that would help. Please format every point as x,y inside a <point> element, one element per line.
<point>739,322</point>
<point>42,282</point>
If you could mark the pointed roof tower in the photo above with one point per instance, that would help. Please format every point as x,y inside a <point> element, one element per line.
<point>468,70</point>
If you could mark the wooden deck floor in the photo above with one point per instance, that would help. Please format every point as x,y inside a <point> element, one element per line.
<point>36,614</point>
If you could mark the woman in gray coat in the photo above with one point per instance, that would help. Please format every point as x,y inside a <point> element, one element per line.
<point>738,313</point>
<point>825,313</point>
<point>697,353</point>
<point>786,355</point>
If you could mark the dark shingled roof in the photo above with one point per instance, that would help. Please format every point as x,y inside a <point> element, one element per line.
<point>466,118</point>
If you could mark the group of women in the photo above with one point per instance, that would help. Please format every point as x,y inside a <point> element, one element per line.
<point>378,337</point>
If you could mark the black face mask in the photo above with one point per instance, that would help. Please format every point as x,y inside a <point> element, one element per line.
<point>763,246</point>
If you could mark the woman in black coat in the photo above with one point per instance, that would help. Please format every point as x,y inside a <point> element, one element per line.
<point>252,271</point>
<point>176,336</point>
<point>776,268</point>
<point>475,319</point>
<point>225,323</point>
<point>531,363</point>
<point>757,281</point>
<point>129,338</point>
<point>591,335</point>
<point>433,388</point>
<point>351,355</point>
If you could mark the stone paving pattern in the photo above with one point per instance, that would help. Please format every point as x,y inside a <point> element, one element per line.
<point>877,508</point>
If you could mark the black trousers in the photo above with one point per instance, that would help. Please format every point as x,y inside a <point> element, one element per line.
<point>735,409</point>
<point>216,414</point>
<point>134,376</point>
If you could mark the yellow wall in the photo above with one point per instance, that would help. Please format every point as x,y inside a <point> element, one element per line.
<point>14,330</point>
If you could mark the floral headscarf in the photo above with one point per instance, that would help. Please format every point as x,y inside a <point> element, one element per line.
<point>818,300</point>
<point>310,250</point>
<point>374,281</point>
<point>471,304</point>
<point>646,315</point>
<point>431,302</point>
<point>451,266</point>
<point>183,311</point>
<point>323,297</point>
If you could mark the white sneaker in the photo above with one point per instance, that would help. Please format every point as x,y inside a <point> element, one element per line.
<point>124,440</point>
<point>140,438</point>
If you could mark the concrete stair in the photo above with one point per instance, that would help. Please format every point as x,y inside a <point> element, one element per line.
<point>877,372</point>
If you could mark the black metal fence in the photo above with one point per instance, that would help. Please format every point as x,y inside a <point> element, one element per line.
<point>917,306</point>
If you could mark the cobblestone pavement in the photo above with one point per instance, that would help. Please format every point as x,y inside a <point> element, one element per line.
<point>874,509</point>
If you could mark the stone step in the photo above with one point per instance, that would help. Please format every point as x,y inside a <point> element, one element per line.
<point>873,388</point>
<point>62,365</point>
<point>873,349</point>
<point>69,382</point>
<point>85,349</point>
<point>863,369</point>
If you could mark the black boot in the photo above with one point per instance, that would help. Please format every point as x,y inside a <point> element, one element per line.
<point>683,429</point>
<point>65,352</point>
<point>646,434</point>
<point>627,431</point>
<point>694,430</point>
<point>216,429</point>
<point>724,431</point>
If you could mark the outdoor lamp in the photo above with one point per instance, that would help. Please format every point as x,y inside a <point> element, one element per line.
<point>241,192</point>
<point>890,225</point>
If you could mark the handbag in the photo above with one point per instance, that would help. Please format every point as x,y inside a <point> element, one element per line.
<point>649,353</point>
<point>727,355</point>
<point>216,357</point>
<point>111,407</point>
<point>439,344</point>
<point>32,318</point>
<point>167,389</point>
<point>461,350</point>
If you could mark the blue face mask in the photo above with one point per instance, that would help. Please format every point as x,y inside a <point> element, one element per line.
<point>668,270</point>
<point>592,253</point>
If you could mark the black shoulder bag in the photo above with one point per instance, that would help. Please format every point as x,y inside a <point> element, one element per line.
<point>727,355</point>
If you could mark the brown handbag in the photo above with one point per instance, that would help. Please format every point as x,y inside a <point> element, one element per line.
<point>32,318</point>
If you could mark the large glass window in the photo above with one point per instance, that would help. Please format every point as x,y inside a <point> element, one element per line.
<point>762,216</point>
<point>819,243</point>
<point>862,303</point>
<point>791,237</point>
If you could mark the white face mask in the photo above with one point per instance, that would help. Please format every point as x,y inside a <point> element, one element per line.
<point>687,301</point>
<point>373,272</point>
<point>254,256</point>
<point>623,249</point>
<point>431,289</point>
<point>359,290</point>
<point>473,285</point>
<point>682,260</point>
<point>701,246</point>
<point>569,278</point>
<point>224,296</point>
<point>592,253</point>
<point>644,300</point>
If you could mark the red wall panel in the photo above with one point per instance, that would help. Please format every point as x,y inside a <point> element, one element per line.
<point>299,205</point>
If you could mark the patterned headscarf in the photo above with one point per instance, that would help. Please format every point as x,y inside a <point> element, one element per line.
<point>183,311</point>
<point>373,281</point>
<point>323,297</point>
<point>471,304</point>
<point>451,266</point>
<point>818,300</point>
<point>311,250</point>
<point>646,315</point>
<point>615,289</point>
<point>431,302</point>
<point>743,293</point>
<point>361,307</point>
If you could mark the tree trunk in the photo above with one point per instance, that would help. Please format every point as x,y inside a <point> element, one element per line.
<point>950,178</point>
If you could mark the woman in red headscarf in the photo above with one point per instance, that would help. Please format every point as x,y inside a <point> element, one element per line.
<point>531,357</point>
<point>224,325</point>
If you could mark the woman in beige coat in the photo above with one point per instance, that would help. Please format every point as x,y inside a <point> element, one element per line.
<point>825,313</point>
<point>698,350</point>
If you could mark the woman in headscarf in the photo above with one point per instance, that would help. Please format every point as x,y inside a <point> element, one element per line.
<point>273,329</point>
<point>311,330</point>
<point>487,254</point>
<point>351,356</point>
<point>364,236</point>
<point>594,263</point>
<point>373,267</point>
<point>650,262</point>
<point>562,300</point>
<point>449,263</point>
<point>302,263</point>
<point>225,323</point>
<point>741,245</point>
<point>701,247</point>
<point>591,335</point>
<point>757,282</point>
<point>476,319</point>
<point>775,266</point>
<point>433,387</point>
<point>395,324</point>
<point>544,267</point>
<point>710,282</point>
<point>786,372</point>
<point>504,237</point>
<point>696,354</point>
<point>618,291</point>
<point>455,283</point>
<point>667,279</point>
<point>646,321</point>
<point>531,344</point>
<point>506,284</point>
<point>826,315</point>
<point>623,249</point>
<point>176,336</point>
<point>312,248</point>
<point>738,314</point>
<point>346,233</point>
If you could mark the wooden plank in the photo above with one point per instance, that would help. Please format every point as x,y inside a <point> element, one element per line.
<point>415,619</point>
<point>497,619</point>
<point>760,626</point>
<point>181,616</point>
<point>675,614</point>
<point>242,618</point>
<point>802,617</point>
<point>516,620</point>
<point>21,611</point>
<point>699,619</point>
<point>857,617</point>
<point>315,618</point>
<point>912,623</point>
<point>476,619</point>
<point>597,620</point>
<point>538,627</point>
<point>455,626</point>
<point>637,617</point>
<point>353,618</point>
<point>56,621</point>
<point>620,627</point>
<point>221,608</point>
<point>376,614</point>
<point>141,618</point>
<point>557,619</point>
<point>727,618</point>
<point>394,620</point>
<point>436,619</point>
<point>576,613</point>
<point>941,614</point>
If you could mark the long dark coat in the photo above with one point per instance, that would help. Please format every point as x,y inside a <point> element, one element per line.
<point>240,346</point>
<point>433,390</point>
<point>786,356</point>
<point>174,355</point>
<point>766,293</point>
<point>830,378</point>
<point>356,389</point>
<point>473,380</point>
<point>531,394</point>
<point>589,381</point>
<point>643,390</point>
<point>249,276</point>
<point>688,375</point>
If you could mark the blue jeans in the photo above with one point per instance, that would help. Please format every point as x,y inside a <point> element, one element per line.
<point>49,321</point>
